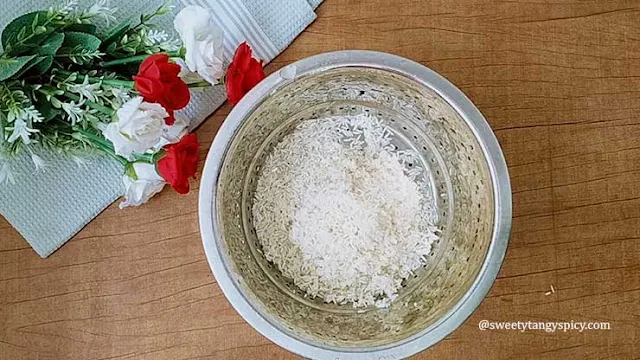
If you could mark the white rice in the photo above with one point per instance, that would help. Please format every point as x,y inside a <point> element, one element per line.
<point>343,214</point>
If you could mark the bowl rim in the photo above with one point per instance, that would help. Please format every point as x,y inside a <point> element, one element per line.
<point>453,318</point>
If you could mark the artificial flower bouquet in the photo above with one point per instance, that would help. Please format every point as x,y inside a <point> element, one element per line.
<point>72,81</point>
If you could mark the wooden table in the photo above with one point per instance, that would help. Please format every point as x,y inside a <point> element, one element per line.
<point>559,82</point>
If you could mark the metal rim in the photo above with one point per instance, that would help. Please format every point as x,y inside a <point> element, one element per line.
<point>501,191</point>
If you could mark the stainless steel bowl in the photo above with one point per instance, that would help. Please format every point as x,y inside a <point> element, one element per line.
<point>469,183</point>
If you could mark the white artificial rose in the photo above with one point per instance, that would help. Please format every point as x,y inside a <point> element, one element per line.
<point>202,39</point>
<point>171,134</point>
<point>139,127</point>
<point>185,74</point>
<point>146,184</point>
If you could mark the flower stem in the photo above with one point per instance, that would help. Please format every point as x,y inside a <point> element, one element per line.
<point>112,82</point>
<point>199,84</point>
<point>101,144</point>
<point>144,157</point>
<point>103,109</point>
<point>133,59</point>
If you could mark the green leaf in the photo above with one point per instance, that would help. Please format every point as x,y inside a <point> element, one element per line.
<point>116,33</point>
<point>22,34</point>
<point>43,66</point>
<point>34,23</point>
<point>31,63</point>
<point>51,45</point>
<point>112,47</point>
<point>74,41</point>
<point>83,28</point>
<point>130,171</point>
<point>45,107</point>
<point>10,66</point>
<point>38,30</point>
<point>19,26</point>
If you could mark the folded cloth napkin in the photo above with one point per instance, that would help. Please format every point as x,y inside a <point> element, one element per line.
<point>49,207</point>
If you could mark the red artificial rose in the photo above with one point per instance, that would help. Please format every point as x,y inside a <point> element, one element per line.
<point>158,82</point>
<point>180,163</point>
<point>243,73</point>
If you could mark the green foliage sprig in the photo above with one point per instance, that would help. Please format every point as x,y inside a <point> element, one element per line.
<point>52,82</point>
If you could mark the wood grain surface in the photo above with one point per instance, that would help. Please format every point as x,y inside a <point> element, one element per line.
<point>559,82</point>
